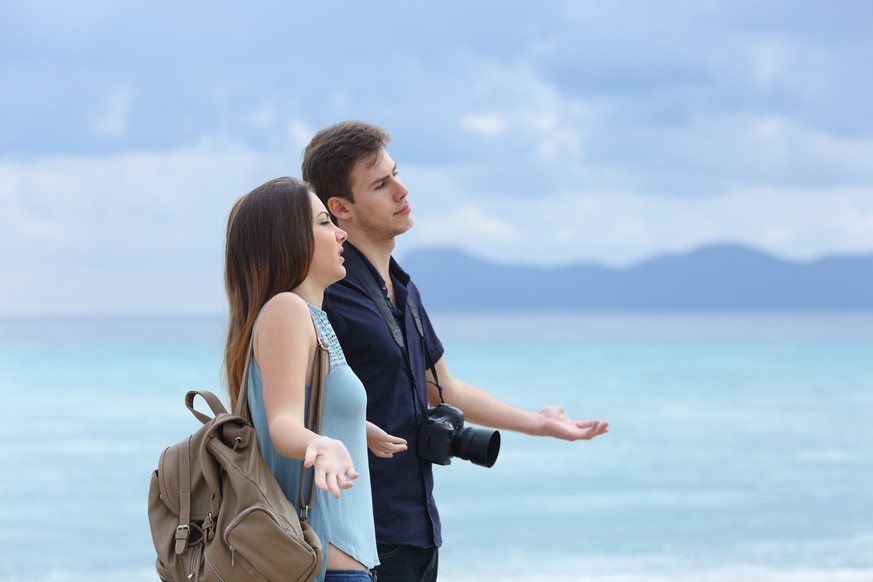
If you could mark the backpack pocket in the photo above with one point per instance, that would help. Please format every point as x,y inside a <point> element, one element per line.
<point>269,548</point>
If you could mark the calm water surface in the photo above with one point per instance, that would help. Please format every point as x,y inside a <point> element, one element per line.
<point>740,447</point>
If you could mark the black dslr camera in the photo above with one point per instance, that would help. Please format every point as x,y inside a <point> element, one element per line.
<point>443,435</point>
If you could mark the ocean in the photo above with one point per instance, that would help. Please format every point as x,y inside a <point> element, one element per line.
<point>740,445</point>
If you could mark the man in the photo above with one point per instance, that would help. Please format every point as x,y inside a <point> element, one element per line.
<point>350,170</point>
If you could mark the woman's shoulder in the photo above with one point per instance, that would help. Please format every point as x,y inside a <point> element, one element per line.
<point>286,311</point>
<point>286,300</point>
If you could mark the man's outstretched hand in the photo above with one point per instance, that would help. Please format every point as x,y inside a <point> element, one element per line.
<point>556,424</point>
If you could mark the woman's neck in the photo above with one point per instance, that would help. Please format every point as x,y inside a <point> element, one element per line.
<point>310,293</point>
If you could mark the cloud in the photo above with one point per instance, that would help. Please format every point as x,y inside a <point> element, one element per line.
<point>121,199</point>
<point>143,232</point>
<point>577,131</point>
<point>111,118</point>
<point>622,228</point>
<point>131,231</point>
<point>299,133</point>
<point>486,124</point>
<point>456,224</point>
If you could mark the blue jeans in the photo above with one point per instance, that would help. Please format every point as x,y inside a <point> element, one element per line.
<point>406,564</point>
<point>349,576</point>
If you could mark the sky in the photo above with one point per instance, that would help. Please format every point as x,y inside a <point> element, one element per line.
<point>546,133</point>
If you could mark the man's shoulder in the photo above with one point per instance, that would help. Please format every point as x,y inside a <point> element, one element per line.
<point>346,299</point>
<point>349,286</point>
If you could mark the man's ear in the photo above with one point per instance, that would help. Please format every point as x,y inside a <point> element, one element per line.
<point>338,207</point>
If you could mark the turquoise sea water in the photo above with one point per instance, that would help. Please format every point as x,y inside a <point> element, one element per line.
<point>740,445</point>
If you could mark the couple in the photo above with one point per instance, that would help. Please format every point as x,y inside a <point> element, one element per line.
<point>287,242</point>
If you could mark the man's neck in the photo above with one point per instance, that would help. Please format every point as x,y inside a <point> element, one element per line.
<point>378,253</point>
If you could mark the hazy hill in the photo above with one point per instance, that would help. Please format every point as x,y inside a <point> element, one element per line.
<point>717,277</point>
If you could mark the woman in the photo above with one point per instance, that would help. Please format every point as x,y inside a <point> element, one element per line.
<point>282,252</point>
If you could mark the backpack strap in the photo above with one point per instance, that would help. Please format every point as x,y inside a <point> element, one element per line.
<point>211,399</point>
<point>183,531</point>
<point>320,369</point>
<point>242,399</point>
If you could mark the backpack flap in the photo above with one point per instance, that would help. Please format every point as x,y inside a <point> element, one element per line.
<point>190,462</point>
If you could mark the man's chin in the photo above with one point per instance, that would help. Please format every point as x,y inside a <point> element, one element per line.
<point>405,226</point>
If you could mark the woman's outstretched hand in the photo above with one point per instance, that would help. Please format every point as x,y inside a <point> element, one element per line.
<point>334,469</point>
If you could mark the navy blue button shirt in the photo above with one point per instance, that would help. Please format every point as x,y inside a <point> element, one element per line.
<point>404,509</point>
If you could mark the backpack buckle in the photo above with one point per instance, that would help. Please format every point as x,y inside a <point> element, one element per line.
<point>182,533</point>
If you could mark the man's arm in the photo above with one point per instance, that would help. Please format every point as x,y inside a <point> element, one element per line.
<point>481,408</point>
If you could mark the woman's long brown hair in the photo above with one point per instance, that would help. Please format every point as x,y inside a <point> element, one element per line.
<point>269,249</point>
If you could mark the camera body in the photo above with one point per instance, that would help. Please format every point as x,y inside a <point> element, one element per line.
<point>443,435</point>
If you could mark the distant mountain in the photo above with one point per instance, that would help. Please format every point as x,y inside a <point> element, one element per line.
<point>716,277</point>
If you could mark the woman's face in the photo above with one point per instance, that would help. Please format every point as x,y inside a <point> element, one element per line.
<point>327,260</point>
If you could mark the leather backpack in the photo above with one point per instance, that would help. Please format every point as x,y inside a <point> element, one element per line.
<point>216,511</point>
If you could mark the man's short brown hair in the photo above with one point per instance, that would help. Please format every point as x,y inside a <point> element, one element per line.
<point>329,158</point>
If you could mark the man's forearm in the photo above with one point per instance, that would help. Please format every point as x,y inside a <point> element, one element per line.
<point>483,409</point>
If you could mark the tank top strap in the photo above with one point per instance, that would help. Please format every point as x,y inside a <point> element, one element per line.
<point>337,358</point>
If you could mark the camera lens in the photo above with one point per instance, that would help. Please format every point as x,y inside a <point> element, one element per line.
<point>479,446</point>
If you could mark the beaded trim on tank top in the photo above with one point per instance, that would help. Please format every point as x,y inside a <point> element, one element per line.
<point>337,358</point>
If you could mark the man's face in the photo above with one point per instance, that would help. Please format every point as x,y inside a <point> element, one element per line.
<point>380,210</point>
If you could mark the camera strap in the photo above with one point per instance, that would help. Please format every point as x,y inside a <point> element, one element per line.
<point>354,263</point>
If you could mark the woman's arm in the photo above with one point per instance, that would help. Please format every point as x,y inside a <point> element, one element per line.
<point>284,346</point>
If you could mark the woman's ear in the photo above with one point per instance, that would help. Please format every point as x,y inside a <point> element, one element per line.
<point>338,207</point>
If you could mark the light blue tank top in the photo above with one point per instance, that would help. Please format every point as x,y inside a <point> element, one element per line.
<point>347,522</point>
